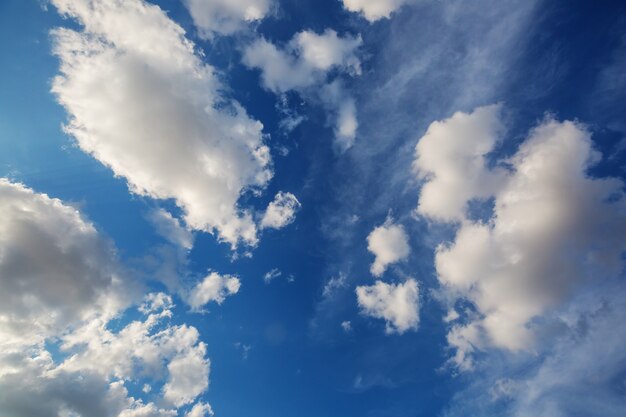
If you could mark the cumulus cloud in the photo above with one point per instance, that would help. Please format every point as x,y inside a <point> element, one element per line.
<point>56,270</point>
<point>142,102</point>
<point>553,229</point>
<point>97,362</point>
<point>281,211</point>
<point>389,243</point>
<point>214,287</point>
<point>225,16</point>
<point>200,410</point>
<point>374,10</point>
<point>397,304</point>
<point>450,157</point>
<point>304,63</point>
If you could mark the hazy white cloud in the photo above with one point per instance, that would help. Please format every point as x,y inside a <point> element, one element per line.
<point>214,287</point>
<point>553,229</point>
<point>450,157</point>
<point>389,243</point>
<point>225,16</point>
<point>171,229</point>
<point>143,103</point>
<point>334,284</point>
<point>303,65</point>
<point>374,10</point>
<point>281,211</point>
<point>397,304</point>
<point>55,268</point>
<point>346,325</point>
<point>271,275</point>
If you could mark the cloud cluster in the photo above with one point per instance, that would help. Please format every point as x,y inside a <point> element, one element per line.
<point>389,243</point>
<point>141,101</point>
<point>397,304</point>
<point>553,228</point>
<point>374,10</point>
<point>304,64</point>
<point>225,17</point>
<point>62,286</point>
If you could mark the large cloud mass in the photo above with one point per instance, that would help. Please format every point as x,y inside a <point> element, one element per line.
<point>142,102</point>
<point>55,268</point>
<point>553,228</point>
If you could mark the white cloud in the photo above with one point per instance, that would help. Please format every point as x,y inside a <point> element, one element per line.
<point>553,229</point>
<point>303,65</point>
<point>142,102</point>
<point>225,16</point>
<point>55,268</point>
<point>271,275</point>
<point>389,243</point>
<point>334,284</point>
<point>170,228</point>
<point>374,10</point>
<point>450,157</point>
<point>346,326</point>
<point>397,304</point>
<point>281,211</point>
<point>200,410</point>
<point>304,61</point>
<point>214,287</point>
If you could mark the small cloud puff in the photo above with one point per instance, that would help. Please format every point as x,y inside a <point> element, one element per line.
<point>281,211</point>
<point>397,304</point>
<point>389,243</point>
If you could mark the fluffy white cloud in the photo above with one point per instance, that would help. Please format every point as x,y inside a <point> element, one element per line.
<point>281,211</point>
<point>225,16</point>
<point>397,304</point>
<point>142,102</point>
<point>99,362</point>
<point>553,229</point>
<point>389,243</point>
<point>451,158</point>
<point>214,287</point>
<point>374,10</point>
<point>55,268</point>
<point>304,63</point>
<point>200,410</point>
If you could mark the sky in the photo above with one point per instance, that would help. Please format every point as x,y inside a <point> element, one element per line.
<point>312,208</point>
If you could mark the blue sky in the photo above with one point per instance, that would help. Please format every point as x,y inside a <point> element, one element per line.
<point>312,208</point>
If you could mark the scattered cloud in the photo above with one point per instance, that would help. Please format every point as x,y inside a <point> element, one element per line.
<point>271,275</point>
<point>334,284</point>
<point>397,304</point>
<point>141,101</point>
<point>303,65</point>
<point>346,326</point>
<point>281,211</point>
<point>389,243</point>
<point>213,288</point>
<point>374,10</point>
<point>225,17</point>
<point>200,410</point>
